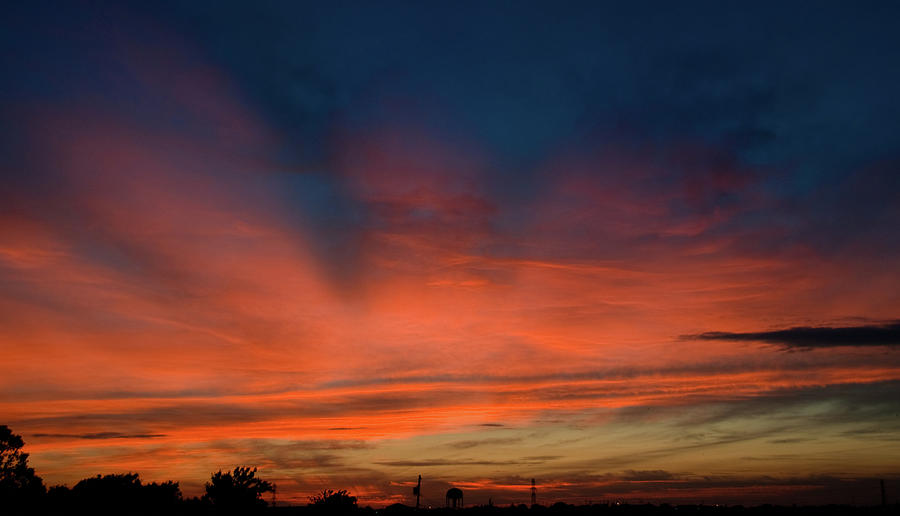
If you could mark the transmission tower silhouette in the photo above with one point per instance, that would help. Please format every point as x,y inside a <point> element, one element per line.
<point>418,491</point>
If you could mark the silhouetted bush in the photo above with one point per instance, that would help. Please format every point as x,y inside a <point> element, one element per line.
<point>333,501</point>
<point>237,491</point>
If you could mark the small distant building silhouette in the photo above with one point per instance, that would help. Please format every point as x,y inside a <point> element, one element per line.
<point>454,498</point>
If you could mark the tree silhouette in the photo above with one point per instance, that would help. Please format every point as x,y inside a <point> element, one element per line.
<point>334,501</point>
<point>18,483</point>
<point>236,490</point>
<point>113,493</point>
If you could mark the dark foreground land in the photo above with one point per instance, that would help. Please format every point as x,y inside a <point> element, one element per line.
<point>561,509</point>
<point>241,492</point>
<point>644,509</point>
<point>187,508</point>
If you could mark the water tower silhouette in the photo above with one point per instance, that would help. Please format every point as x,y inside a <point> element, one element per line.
<point>454,498</point>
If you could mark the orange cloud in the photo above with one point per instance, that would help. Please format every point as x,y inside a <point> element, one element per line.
<point>163,301</point>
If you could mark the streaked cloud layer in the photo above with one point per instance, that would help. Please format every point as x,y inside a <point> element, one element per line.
<point>351,246</point>
<point>804,337</point>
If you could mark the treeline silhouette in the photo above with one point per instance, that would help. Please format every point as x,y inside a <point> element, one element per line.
<point>241,492</point>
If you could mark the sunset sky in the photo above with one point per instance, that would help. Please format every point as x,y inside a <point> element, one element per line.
<point>646,252</point>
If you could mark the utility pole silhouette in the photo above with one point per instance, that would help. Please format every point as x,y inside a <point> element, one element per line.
<point>883,497</point>
<point>418,491</point>
<point>533,493</point>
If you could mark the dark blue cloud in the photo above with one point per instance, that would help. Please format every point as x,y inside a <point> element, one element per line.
<point>808,337</point>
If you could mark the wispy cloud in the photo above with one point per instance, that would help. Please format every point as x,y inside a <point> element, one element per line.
<point>210,260</point>
<point>101,435</point>
<point>540,459</point>
<point>494,441</point>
